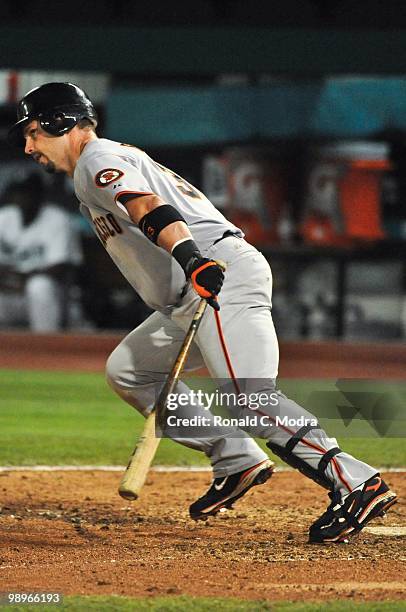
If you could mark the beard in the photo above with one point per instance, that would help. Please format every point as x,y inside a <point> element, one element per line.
<point>50,167</point>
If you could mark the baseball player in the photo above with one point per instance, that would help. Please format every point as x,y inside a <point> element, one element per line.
<point>166,238</point>
<point>39,246</point>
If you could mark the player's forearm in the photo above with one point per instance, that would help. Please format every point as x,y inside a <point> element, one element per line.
<point>167,229</point>
<point>164,226</point>
<point>173,234</point>
<point>148,211</point>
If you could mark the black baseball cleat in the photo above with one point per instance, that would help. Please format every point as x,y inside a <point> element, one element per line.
<point>344,519</point>
<point>225,491</point>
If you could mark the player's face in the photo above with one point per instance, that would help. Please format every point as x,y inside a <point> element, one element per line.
<point>45,149</point>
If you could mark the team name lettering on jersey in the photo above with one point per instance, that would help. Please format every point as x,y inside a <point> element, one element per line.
<point>106,227</point>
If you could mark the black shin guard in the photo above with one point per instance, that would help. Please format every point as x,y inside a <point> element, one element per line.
<point>317,474</point>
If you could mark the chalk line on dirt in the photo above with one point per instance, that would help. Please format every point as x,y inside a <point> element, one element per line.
<point>393,530</point>
<point>156,468</point>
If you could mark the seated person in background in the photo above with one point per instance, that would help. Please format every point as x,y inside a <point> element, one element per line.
<point>39,246</point>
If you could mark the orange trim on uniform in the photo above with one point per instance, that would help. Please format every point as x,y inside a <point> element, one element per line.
<point>340,474</point>
<point>135,193</point>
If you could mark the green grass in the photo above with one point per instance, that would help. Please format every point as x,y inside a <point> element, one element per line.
<point>203,604</point>
<point>74,418</point>
<point>68,418</point>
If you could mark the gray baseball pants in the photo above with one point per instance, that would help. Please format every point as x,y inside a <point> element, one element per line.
<point>137,368</point>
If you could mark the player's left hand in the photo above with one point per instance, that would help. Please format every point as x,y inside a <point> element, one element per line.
<point>207,278</point>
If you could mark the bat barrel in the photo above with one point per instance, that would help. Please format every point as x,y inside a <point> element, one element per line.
<point>137,469</point>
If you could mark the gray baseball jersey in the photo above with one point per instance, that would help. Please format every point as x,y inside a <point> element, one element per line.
<point>107,175</point>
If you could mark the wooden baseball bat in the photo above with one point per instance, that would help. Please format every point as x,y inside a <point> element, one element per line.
<point>136,472</point>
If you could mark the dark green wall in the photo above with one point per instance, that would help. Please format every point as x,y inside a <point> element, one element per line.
<point>203,51</point>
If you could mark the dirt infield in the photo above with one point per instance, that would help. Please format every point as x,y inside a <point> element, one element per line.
<point>71,532</point>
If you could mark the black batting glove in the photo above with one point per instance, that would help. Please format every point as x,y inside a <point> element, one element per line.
<point>207,277</point>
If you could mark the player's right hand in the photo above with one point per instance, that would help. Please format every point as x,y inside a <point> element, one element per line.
<point>207,278</point>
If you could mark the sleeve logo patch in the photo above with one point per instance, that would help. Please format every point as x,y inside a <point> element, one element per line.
<point>107,176</point>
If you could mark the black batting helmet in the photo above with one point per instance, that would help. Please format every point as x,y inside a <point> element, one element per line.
<point>57,106</point>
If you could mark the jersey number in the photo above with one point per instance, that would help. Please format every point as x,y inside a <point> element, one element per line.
<point>181,184</point>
